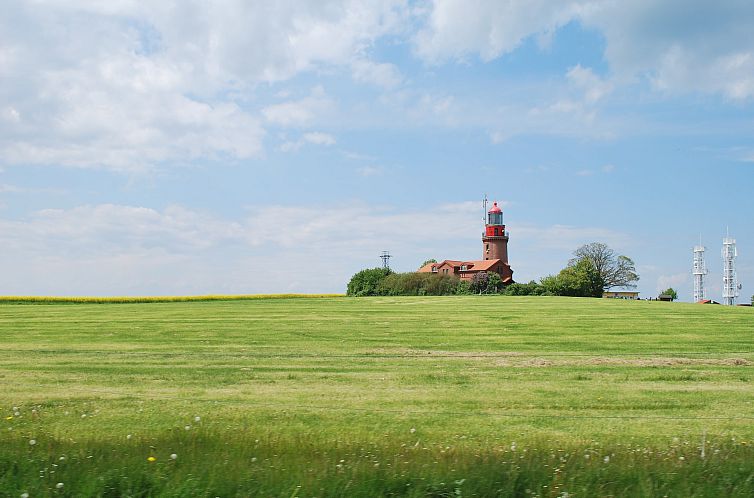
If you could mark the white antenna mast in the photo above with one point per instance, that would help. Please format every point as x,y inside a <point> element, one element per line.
<point>730,280</point>
<point>699,271</point>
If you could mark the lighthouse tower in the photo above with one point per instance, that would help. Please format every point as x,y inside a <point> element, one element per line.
<point>495,238</point>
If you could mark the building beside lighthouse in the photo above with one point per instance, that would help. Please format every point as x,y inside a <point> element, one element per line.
<point>494,253</point>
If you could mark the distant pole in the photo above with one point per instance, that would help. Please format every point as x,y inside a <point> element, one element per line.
<point>484,208</point>
<point>385,257</point>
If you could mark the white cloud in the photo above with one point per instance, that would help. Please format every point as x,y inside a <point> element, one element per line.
<point>679,45</point>
<point>130,85</point>
<point>489,28</point>
<point>300,112</point>
<point>319,138</point>
<point>383,74</point>
<point>315,138</point>
<point>594,87</point>
<point>676,280</point>
<point>116,249</point>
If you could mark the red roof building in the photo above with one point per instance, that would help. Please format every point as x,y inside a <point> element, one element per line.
<point>494,253</point>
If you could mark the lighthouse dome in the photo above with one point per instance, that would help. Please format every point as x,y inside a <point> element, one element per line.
<point>495,208</point>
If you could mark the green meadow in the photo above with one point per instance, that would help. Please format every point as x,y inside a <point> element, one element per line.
<point>409,396</point>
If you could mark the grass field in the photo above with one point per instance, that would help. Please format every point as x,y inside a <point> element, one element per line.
<point>425,396</point>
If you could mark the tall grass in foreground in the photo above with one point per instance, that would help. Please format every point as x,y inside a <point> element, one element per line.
<point>150,299</point>
<point>199,462</point>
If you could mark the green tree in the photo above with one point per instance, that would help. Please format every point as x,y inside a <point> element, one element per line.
<point>494,283</point>
<point>578,280</point>
<point>614,270</point>
<point>366,282</point>
<point>433,260</point>
<point>671,292</point>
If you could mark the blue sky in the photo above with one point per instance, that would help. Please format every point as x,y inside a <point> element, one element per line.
<point>250,147</point>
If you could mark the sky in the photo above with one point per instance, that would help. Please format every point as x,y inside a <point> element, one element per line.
<point>238,146</point>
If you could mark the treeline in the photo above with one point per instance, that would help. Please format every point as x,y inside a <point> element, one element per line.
<point>579,279</point>
<point>594,268</point>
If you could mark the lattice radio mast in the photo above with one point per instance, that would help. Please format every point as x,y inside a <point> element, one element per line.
<point>730,281</point>
<point>385,257</point>
<point>699,271</point>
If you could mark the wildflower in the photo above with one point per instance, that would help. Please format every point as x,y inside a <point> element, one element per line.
<point>187,427</point>
<point>9,417</point>
<point>17,413</point>
<point>24,495</point>
<point>129,436</point>
<point>151,459</point>
<point>513,446</point>
<point>83,415</point>
<point>253,459</point>
<point>62,458</point>
<point>59,485</point>
<point>32,442</point>
<point>606,459</point>
<point>412,430</point>
<point>197,418</point>
<point>681,458</point>
<point>173,456</point>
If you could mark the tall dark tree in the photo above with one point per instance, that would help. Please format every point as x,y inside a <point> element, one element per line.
<point>615,270</point>
<point>479,282</point>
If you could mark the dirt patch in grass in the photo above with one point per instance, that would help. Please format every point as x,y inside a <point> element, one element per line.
<point>622,361</point>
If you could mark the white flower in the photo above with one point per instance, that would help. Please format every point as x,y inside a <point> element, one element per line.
<point>32,442</point>
<point>253,459</point>
<point>129,436</point>
<point>681,458</point>
<point>24,495</point>
<point>187,427</point>
<point>83,415</point>
<point>606,459</point>
<point>62,459</point>
<point>412,430</point>
<point>197,418</point>
<point>173,456</point>
<point>59,485</point>
<point>16,413</point>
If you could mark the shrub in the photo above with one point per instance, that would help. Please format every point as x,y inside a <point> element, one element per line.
<point>366,282</point>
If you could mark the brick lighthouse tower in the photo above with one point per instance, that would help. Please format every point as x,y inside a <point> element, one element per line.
<point>495,240</point>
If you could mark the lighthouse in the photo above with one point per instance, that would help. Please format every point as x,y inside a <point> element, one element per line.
<point>495,238</point>
<point>494,253</point>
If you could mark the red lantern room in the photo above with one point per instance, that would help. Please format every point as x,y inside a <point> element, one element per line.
<point>495,238</point>
<point>494,226</point>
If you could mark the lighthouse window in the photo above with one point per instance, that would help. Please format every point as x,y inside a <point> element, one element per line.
<point>496,232</point>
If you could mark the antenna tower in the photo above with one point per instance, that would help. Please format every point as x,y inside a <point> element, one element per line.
<point>484,207</point>
<point>730,281</point>
<point>385,257</point>
<point>699,271</point>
